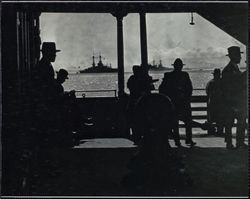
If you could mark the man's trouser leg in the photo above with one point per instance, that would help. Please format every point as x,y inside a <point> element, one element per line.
<point>240,131</point>
<point>188,126</point>
<point>187,119</point>
<point>176,133</point>
<point>228,129</point>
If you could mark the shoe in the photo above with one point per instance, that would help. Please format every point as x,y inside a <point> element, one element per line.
<point>241,146</point>
<point>191,143</point>
<point>230,146</point>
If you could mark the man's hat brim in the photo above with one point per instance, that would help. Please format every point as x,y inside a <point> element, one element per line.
<point>240,53</point>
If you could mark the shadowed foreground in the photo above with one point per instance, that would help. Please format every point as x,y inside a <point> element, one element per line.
<point>92,171</point>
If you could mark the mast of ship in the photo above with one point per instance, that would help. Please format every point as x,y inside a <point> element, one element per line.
<point>153,62</point>
<point>93,63</point>
<point>100,64</point>
<point>160,64</point>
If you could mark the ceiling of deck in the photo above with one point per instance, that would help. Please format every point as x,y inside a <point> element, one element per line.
<point>230,17</point>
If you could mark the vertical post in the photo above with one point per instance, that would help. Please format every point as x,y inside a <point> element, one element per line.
<point>120,54</point>
<point>143,34</point>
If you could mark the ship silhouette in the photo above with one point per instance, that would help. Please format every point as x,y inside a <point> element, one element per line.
<point>99,67</point>
<point>158,67</point>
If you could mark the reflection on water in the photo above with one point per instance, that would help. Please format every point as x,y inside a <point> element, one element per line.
<point>109,81</point>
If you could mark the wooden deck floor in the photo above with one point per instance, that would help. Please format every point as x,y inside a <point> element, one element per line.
<point>97,166</point>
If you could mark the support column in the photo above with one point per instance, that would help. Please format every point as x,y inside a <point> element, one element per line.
<point>143,34</point>
<point>120,54</point>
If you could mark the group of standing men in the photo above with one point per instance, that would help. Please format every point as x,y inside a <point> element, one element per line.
<point>230,97</point>
<point>228,93</point>
<point>176,85</point>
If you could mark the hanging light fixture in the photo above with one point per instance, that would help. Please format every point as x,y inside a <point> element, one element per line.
<point>192,19</point>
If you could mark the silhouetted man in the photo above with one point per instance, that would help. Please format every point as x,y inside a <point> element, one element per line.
<point>66,111</point>
<point>135,84</point>
<point>178,87</point>
<point>214,93</point>
<point>232,86</point>
<point>139,84</point>
<point>155,168</point>
<point>44,72</point>
<point>43,79</point>
<point>43,118</point>
<point>60,94</point>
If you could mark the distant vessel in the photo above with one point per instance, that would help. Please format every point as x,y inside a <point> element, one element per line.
<point>158,67</point>
<point>99,68</point>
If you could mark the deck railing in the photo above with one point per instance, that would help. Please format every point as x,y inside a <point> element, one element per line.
<point>113,93</point>
<point>198,100</point>
<point>84,93</point>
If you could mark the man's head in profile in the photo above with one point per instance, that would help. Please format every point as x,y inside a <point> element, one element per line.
<point>234,54</point>
<point>62,75</point>
<point>49,51</point>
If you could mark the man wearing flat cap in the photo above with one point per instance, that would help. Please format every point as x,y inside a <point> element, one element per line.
<point>66,115</point>
<point>231,88</point>
<point>178,87</point>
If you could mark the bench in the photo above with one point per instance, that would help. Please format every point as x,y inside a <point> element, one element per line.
<point>199,110</point>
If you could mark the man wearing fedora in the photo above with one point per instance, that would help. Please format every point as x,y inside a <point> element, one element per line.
<point>44,72</point>
<point>43,79</point>
<point>232,86</point>
<point>178,87</point>
<point>44,67</point>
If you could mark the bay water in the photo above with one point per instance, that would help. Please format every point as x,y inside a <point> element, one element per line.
<point>106,84</point>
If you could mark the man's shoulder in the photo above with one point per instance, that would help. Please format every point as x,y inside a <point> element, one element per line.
<point>227,68</point>
<point>210,82</point>
<point>168,74</point>
<point>57,85</point>
<point>43,63</point>
<point>184,73</point>
<point>131,78</point>
<point>131,81</point>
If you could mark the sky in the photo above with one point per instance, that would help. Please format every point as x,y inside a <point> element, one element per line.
<point>169,36</point>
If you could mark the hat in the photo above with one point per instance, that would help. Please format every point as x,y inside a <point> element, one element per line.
<point>63,73</point>
<point>216,71</point>
<point>178,62</point>
<point>49,47</point>
<point>233,50</point>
